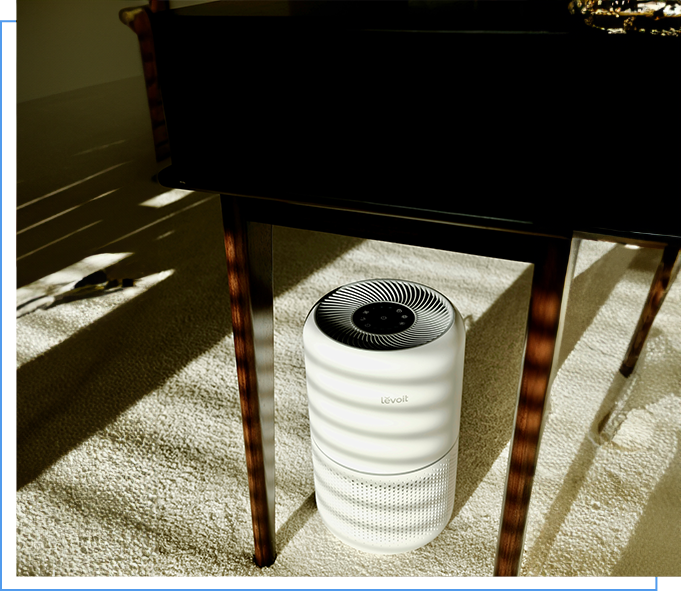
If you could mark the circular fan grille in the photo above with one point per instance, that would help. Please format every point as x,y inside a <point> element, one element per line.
<point>399,314</point>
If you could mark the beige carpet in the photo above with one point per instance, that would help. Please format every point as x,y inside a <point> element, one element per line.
<point>130,455</point>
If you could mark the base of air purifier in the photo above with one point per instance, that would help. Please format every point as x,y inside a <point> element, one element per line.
<point>385,514</point>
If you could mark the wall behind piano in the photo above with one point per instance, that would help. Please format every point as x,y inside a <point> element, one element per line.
<point>70,44</point>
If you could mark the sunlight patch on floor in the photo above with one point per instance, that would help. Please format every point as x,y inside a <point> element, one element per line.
<point>23,256</point>
<point>43,329</point>
<point>65,211</point>
<point>165,235</point>
<point>61,281</point>
<point>158,221</point>
<point>100,147</point>
<point>590,251</point>
<point>166,198</point>
<point>87,178</point>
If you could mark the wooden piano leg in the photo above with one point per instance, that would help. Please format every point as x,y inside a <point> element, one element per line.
<point>139,20</point>
<point>553,271</point>
<point>664,277</point>
<point>249,258</point>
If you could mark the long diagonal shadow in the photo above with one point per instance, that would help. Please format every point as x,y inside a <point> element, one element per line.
<point>574,478</point>
<point>598,282</point>
<point>590,290</point>
<point>296,521</point>
<point>79,386</point>
<point>648,553</point>
<point>494,344</point>
<point>577,475</point>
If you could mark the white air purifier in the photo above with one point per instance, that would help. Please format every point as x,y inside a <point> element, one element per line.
<point>384,364</point>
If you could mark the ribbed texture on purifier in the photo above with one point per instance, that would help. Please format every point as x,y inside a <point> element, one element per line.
<point>385,513</point>
<point>425,316</point>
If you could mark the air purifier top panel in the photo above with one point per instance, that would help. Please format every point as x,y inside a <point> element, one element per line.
<point>384,314</point>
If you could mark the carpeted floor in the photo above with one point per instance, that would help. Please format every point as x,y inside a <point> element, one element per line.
<point>130,455</point>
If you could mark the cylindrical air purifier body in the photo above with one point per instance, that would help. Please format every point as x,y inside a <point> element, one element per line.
<point>384,365</point>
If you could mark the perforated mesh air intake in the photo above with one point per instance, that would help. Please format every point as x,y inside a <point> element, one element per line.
<point>385,514</point>
<point>384,314</point>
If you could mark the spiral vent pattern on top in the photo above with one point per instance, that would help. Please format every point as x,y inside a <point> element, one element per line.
<point>412,314</point>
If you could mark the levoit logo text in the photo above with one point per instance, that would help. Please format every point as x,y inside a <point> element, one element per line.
<point>388,400</point>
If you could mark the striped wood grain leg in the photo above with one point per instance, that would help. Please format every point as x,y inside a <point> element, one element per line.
<point>249,258</point>
<point>666,272</point>
<point>139,20</point>
<point>553,270</point>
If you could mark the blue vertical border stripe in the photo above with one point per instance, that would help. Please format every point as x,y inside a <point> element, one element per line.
<point>8,162</point>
